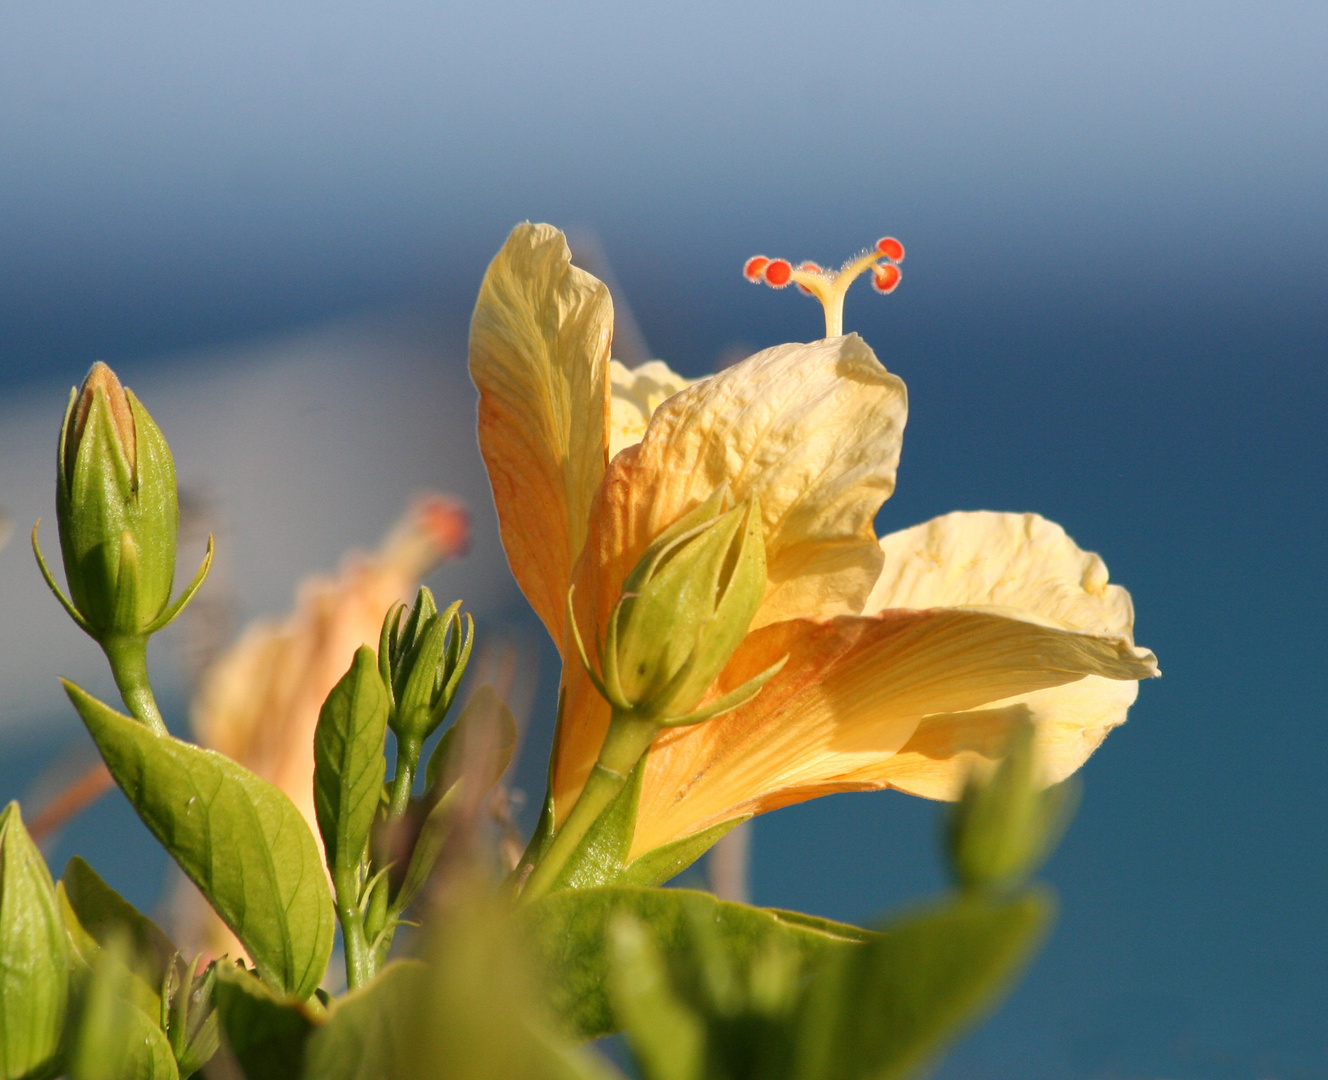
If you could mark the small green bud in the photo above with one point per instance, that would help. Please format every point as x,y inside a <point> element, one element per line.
<point>684,610</point>
<point>421,660</point>
<point>116,507</point>
<point>1005,824</point>
<point>34,956</point>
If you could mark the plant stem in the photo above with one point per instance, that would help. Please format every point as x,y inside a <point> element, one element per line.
<point>128,657</point>
<point>359,957</point>
<point>628,737</point>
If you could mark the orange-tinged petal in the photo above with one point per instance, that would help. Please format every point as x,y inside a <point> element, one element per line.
<point>813,431</point>
<point>539,356</point>
<point>850,698</point>
<point>1027,566</point>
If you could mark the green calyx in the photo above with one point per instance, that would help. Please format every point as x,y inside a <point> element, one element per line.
<point>422,658</point>
<point>116,507</point>
<point>684,609</point>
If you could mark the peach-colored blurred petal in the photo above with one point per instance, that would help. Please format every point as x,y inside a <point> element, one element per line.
<point>259,702</point>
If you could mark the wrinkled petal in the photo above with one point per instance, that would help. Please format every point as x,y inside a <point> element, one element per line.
<point>636,394</point>
<point>1011,562</point>
<point>1028,567</point>
<point>539,352</point>
<point>812,430</point>
<point>850,699</point>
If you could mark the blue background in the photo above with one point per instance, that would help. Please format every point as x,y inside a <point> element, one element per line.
<point>1113,312</point>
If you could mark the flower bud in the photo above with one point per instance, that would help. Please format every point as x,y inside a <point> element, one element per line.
<point>34,956</point>
<point>116,508</point>
<point>684,609</point>
<point>1007,822</point>
<point>421,661</point>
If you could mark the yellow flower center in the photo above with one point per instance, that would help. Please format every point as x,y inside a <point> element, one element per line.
<point>830,286</point>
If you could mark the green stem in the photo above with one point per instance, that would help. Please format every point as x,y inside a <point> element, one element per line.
<point>360,964</point>
<point>128,657</point>
<point>628,738</point>
<point>379,910</point>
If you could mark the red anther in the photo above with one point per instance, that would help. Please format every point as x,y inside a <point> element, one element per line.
<point>810,268</point>
<point>778,272</point>
<point>885,278</point>
<point>891,249</point>
<point>752,268</point>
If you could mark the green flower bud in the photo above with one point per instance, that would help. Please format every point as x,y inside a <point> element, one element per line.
<point>34,956</point>
<point>1005,824</point>
<point>116,508</point>
<point>421,661</point>
<point>684,609</point>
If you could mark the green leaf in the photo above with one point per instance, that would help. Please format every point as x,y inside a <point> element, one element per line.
<point>368,1034</point>
<point>880,1011</point>
<point>102,913</point>
<point>34,956</point>
<point>267,1033</point>
<point>571,933</point>
<point>115,1039</point>
<point>669,860</point>
<point>483,1017</point>
<point>348,763</point>
<point>668,1038</point>
<point>237,837</point>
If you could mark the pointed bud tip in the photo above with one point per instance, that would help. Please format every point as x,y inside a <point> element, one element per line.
<point>101,377</point>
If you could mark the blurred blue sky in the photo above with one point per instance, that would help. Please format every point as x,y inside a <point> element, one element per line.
<point>1114,311</point>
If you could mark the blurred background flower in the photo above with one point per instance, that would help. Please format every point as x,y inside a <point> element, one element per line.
<point>272,221</point>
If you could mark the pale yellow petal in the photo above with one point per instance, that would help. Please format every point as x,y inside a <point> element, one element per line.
<point>1028,567</point>
<point>636,394</point>
<point>539,355</point>
<point>1069,721</point>
<point>1012,562</point>
<point>813,431</point>
<point>848,702</point>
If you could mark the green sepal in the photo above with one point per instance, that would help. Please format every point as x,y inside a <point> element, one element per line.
<point>171,613</point>
<point>348,763</point>
<point>113,1038</point>
<point>237,837</point>
<point>97,917</point>
<point>103,914</point>
<point>34,956</point>
<point>266,1032</point>
<point>880,1011</point>
<point>570,931</point>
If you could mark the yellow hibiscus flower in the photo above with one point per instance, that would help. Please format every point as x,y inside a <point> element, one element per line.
<point>909,657</point>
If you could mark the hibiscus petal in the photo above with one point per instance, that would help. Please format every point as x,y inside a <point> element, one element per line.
<point>849,701</point>
<point>636,394</point>
<point>1026,566</point>
<point>539,352</point>
<point>814,431</point>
